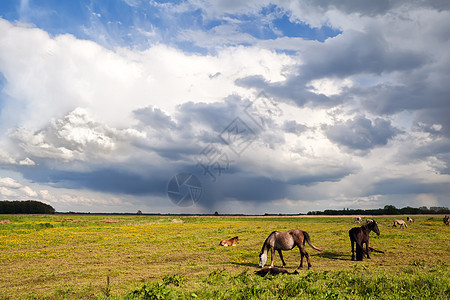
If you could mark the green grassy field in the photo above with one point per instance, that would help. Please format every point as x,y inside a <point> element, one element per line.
<point>142,257</point>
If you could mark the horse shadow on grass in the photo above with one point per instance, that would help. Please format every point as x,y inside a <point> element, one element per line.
<point>247,264</point>
<point>335,255</point>
<point>325,254</point>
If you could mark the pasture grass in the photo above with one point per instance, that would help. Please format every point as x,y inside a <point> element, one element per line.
<point>152,257</point>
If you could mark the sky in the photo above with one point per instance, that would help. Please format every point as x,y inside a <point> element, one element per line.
<point>239,107</point>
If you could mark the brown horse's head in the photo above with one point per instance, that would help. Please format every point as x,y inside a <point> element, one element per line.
<point>262,258</point>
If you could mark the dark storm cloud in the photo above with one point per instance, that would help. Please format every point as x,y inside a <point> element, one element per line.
<point>409,186</point>
<point>432,128</point>
<point>411,92</point>
<point>292,126</point>
<point>243,183</point>
<point>238,182</point>
<point>353,53</point>
<point>155,118</point>
<point>247,187</point>
<point>425,91</point>
<point>194,125</point>
<point>445,167</point>
<point>431,148</point>
<point>432,117</point>
<point>357,52</point>
<point>374,8</point>
<point>213,117</point>
<point>361,133</point>
<point>294,89</point>
<point>436,149</point>
<point>255,189</point>
<point>327,174</point>
<point>137,179</point>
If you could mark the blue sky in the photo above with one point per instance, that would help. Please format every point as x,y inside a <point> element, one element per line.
<point>127,23</point>
<point>274,107</point>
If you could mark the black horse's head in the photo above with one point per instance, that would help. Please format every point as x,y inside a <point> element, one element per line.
<point>374,227</point>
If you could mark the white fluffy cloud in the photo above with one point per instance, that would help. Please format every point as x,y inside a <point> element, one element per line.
<point>75,137</point>
<point>12,189</point>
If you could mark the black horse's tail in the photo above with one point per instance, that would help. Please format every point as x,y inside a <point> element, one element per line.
<point>308,240</point>
<point>360,252</point>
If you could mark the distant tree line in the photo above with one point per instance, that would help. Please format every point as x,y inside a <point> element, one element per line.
<point>25,207</point>
<point>387,210</point>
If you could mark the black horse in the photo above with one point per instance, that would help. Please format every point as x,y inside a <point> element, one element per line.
<point>360,236</point>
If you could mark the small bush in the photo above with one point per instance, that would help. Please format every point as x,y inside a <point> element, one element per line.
<point>156,290</point>
<point>175,279</point>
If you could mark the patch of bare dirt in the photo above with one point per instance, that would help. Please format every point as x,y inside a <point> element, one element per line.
<point>111,221</point>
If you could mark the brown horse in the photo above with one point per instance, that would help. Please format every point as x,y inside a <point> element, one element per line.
<point>410,220</point>
<point>401,223</point>
<point>286,240</point>
<point>360,236</point>
<point>231,242</point>
<point>446,220</point>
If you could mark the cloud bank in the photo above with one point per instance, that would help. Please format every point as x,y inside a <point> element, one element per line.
<point>284,108</point>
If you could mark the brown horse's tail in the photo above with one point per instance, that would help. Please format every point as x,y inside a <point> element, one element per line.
<point>308,240</point>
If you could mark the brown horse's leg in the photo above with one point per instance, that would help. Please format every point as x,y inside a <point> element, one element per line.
<point>272,255</point>
<point>301,257</point>
<point>304,253</point>
<point>282,259</point>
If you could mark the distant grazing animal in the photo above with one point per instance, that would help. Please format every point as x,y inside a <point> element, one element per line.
<point>231,242</point>
<point>358,220</point>
<point>446,220</point>
<point>286,240</point>
<point>369,220</point>
<point>411,220</point>
<point>273,271</point>
<point>360,236</point>
<point>400,222</point>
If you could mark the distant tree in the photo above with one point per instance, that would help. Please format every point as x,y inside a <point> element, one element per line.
<point>387,210</point>
<point>216,213</point>
<point>25,207</point>
<point>139,212</point>
<point>390,210</point>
